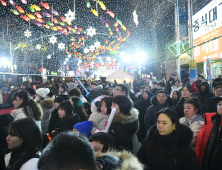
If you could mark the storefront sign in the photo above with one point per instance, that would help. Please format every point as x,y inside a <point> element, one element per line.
<point>184,59</point>
<point>207,24</point>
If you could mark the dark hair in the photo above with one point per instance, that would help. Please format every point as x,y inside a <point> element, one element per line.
<point>195,102</point>
<point>108,101</point>
<point>148,93</point>
<point>124,88</point>
<point>154,82</point>
<point>31,91</point>
<point>104,92</point>
<point>161,91</point>
<point>189,87</point>
<point>124,104</point>
<point>176,81</point>
<point>68,151</point>
<point>178,95</point>
<point>30,107</point>
<point>75,92</point>
<point>162,84</point>
<point>67,107</point>
<point>105,139</point>
<point>27,129</point>
<point>59,100</point>
<point>64,87</point>
<point>87,106</point>
<point>93,83</point>
<point>172,114</point>
<point>148,86</point>
<point>51,93</point>
<point>77,109</point>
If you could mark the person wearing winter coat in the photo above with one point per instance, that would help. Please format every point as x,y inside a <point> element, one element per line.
<point>204,93</point>
<point>78,109</point>
<point>167,146</point>
<point>54,115</point>
<point>85,159</point>
<point>209,144</point>
<point>63,91</point>
<point>5,120</point>
<point>25,142</point>
<point>177,86</point>
<point>187,93</point>
<point>101,115</point>
<point>169,86</point>
<point>143,105</point>
<point>95,91</point>
<point>26,107</point>
<point>47,105</point>
<point>75,92</point>
<point>158,102</point>
<point>192,119</point>
<point>5,96</point>
<point>210,105</point>
<point>67,118</point>
<point>176,97</point>
<point>125,122</point>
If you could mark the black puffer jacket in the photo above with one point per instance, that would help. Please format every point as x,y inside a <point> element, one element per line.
<point>5,120</point>
<point>210,105</point>
<point>122,129</point>
<point>143,106</point>
<point>52,123</point>
<point>151,114</point>
<point>159,160</point>
<point>203,96</point>
<point>180,108</point>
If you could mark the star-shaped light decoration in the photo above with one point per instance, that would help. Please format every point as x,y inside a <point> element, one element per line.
<point>91,31</point>
<point>97,44</point>
<point>38,46</point>
<point>70,16</point>
<point>28,33</point>
<point>61,46</point>
<point>53,39</point>
<point>86,50</point>
<point>91,48</point>
<point>59,71</point>
<point>135,18</point>
<point>70,55</point>
<point>49,57</point>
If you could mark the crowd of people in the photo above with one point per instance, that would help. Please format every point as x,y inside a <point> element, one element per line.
<point>157,125</point>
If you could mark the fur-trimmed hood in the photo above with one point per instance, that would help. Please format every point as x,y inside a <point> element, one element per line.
<point>124,119</point>
<point>97,88</point>
<point>47,103</point>
<point>184,140</point>
<point>169,101</point>
<point>120,160</point>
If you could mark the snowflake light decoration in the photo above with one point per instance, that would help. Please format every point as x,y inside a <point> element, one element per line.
<point>38,46</point>
<point>86,50</point>
<point>91,48</point>
<point>59,71</point>
<point>91,31</point>
<point>61,46</point>
<point>135,18</point>
<point>28,33</point>
<point>49,57</point>
<point>97,44</point>
<point>53,39</point>
<point>69,56</point>
<point>70,16</point>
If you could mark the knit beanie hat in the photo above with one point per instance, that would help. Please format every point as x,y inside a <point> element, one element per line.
<point>71,85</point>
<point>42,92</point>
<point>84,127</point>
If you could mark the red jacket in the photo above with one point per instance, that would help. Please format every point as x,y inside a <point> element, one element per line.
<point>203,137</point>
<point>195,89</point>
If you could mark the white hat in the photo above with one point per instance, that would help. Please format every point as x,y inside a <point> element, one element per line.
<point>12,87</point>
<point>42,92</point>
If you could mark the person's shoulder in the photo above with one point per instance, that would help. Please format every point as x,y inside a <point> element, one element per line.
<point>30,164</point>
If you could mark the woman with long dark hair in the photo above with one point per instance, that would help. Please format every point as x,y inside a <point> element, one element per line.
<point>25,142</point>
<point>26,107</point>
<point>78,109</point>
<point>167,144</point>
<point>67,118</point>
<point>176,97</point>
<point>144,104</point>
